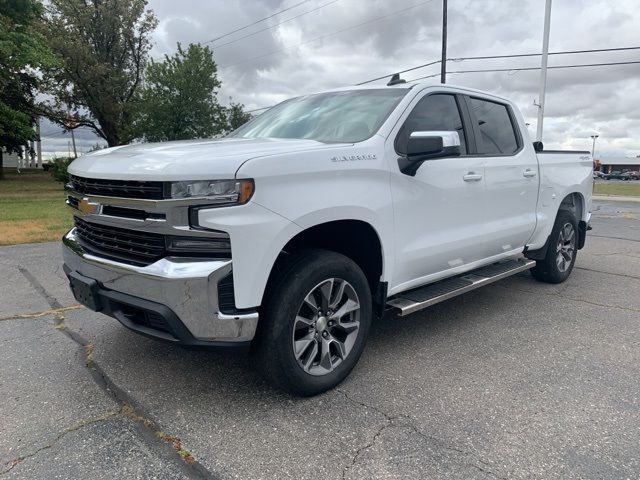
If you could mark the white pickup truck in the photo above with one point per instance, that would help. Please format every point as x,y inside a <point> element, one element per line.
<point>292,233</point>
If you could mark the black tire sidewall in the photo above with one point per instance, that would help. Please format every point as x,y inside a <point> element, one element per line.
<point>547,270</point>
<point>303,272</point>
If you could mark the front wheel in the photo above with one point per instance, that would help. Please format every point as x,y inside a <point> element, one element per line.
<point>315,322</point>
<point>558,263</point>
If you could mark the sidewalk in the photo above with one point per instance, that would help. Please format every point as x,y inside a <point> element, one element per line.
<point>615,198</point>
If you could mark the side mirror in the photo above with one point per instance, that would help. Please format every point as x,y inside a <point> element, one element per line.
<point>423,146</point>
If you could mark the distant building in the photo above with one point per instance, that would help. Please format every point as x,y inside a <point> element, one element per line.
<point>10,160</point>
<point>621,164</point>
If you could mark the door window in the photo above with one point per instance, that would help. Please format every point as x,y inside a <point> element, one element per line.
<point>497,136</point>
<point>432,113</point>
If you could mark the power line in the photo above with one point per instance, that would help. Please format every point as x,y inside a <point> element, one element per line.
<point>564,52</point>
<point>326,36</point>
<point>523,69</point>
<point>276,25</point>
<point>401,71</point>
<point>489,57</point>
<point>257,21</point>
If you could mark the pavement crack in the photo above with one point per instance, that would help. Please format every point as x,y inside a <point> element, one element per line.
<point>403,421</point>
<point>573,299</point>
<point>74,428</point>
<point>485,470</point>
<point>51,300</point>
<point>615,238</point>
<point>624,275</point>
<point>367,446</point>
<point>168,447</point>
<point>53,311</point>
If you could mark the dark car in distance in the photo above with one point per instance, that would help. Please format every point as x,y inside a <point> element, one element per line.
<point>617,175</point>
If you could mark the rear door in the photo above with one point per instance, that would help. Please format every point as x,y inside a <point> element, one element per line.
<point>511,176</point>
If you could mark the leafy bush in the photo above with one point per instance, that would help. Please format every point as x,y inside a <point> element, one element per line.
<point>58,167</point>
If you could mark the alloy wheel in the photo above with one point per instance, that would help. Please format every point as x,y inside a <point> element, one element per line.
<point>326,326</point>
<point>566,247</point>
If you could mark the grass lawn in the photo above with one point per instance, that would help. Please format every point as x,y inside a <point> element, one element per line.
<point>32,208</point>
<point>628,189</point>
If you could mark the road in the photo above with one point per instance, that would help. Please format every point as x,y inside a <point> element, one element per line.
<point>515,380</point>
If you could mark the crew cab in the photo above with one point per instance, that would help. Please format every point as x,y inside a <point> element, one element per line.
<point>292,233</point>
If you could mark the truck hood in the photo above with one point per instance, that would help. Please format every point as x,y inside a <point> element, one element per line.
<point>184,160</point>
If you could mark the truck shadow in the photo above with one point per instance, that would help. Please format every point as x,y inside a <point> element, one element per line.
<point>470,319</point>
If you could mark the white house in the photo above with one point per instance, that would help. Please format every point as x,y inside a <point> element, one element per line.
<point>9,160</point>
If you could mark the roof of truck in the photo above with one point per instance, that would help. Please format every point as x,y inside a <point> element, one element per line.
<point>420,84</point>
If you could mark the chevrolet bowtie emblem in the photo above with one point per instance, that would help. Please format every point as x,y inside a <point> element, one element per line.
<point>87,207</point>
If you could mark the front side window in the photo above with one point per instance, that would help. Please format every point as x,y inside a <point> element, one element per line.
<point>497,136</point>
<point>432,113</point>
<point>349,116</point>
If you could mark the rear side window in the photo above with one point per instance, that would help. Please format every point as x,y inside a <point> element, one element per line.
<point>432,113</point>
<point>497,136</point>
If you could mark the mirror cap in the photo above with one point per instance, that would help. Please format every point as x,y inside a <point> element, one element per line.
<point>449,138</point>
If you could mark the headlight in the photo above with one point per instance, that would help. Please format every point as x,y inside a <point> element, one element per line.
<point>222,192</point>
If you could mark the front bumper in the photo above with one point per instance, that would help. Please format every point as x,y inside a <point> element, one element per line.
<point>181,294</point>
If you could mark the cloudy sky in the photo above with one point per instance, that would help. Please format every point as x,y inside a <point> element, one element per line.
<point>321,44</point>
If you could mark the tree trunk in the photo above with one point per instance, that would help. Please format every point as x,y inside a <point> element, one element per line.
<point>1,164</point>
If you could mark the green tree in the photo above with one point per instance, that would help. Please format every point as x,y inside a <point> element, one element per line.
<point>22,52</point>
<point>102,50</point>
<point>236,116</point>
<point>179,99</point>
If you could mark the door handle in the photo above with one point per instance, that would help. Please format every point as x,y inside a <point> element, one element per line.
<point>529,173</point>
<point>472,177</point>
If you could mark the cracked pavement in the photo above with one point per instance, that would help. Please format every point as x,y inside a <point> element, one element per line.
<point>515,380</point>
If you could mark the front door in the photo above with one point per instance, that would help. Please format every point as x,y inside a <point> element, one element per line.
<point>439,212</point>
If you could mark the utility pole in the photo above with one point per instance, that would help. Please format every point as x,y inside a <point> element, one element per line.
<point>38,143</point>
<point>73,141</point>
<point>543,68</point>
<point>443,61</point>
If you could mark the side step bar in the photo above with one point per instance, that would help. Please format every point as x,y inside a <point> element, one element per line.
<point>422,297</point>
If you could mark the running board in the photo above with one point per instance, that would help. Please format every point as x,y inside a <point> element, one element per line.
<point>422,297</point>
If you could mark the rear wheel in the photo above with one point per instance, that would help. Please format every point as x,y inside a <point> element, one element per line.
<point>558,263</point>
<point>315,322</point>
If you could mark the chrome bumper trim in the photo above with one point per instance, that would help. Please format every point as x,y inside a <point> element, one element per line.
<point>187,286</point>
<point>175,212</point>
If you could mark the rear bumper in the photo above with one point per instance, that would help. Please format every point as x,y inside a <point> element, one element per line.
<point>173,299</point>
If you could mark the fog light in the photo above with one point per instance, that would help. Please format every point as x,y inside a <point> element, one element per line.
<point>219,244</point>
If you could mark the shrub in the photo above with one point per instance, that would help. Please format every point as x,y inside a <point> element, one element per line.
<point>58,167</point>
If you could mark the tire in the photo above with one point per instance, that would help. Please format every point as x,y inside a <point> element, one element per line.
<point>290,323</point>
<point>556,267</point>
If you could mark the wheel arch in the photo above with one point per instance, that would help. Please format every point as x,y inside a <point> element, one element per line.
<point>575,204</point>
<point>355,239</point>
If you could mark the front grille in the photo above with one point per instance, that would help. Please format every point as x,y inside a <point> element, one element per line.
<point>118,188</point>
<point>128,246</point>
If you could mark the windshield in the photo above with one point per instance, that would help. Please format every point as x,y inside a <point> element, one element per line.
<point>348,116</point>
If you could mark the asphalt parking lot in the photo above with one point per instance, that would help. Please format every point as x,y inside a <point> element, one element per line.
<point>515,380</point>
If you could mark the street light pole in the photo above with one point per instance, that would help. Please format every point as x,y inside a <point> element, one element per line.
<point>443,60</point>
<point>543,68</point>
<point>593,147</point>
